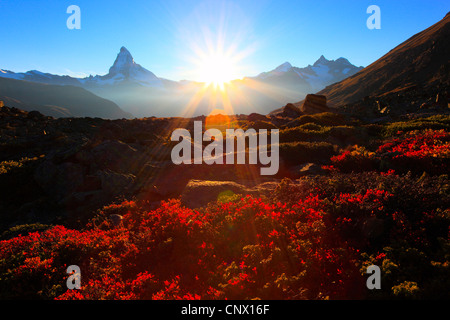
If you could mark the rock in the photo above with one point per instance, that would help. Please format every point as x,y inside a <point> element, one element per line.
<point>441,100</point>
<point>84,156</point>
<point>114,128</point>
<point>149,194</point>
<point>306,169</point>
<point>69,151</point>
<point>425,105</point>
<point>14,110</point>
<point>59,180</point>
<point>385,110</point>
<point>279,121</point>
<point>290,111</point>
<point>314,104</point>
<point>85,199</point>
<point>116,219</point>
<point>160,152</point>
<point>36,115</point>
<point>256,117</point>
<point>91,183</point>
<point>116,156</point>
<point>198,193</point>
<point>116,183</point>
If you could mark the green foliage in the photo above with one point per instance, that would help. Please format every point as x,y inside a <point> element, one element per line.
<point>9,166</point>
<point>312,238</point>
<point>23,229</point>
<point>260,124</point>
<point>301,152</point>
<point>306,132</point>
<point>322,119</point>
<point>436,122</point>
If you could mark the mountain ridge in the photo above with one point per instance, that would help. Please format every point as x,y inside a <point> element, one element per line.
<point>124,63</point>
<point>140,92</point>
<point>423,60</point>
<point>57,100</point>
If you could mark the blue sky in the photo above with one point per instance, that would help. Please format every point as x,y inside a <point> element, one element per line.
<point>166,36</point>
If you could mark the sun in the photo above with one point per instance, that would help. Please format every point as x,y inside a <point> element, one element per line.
<point>217,69</point>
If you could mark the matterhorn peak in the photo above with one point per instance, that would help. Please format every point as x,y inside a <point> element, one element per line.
<point>123,62</point>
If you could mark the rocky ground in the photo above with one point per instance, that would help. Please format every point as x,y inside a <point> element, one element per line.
<point>66,168</point>
<point>62,170</point>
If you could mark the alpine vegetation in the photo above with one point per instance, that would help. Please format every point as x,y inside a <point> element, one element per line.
<point>214,152</point>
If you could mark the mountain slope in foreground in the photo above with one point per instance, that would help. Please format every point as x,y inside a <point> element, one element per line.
<point>422,61</point>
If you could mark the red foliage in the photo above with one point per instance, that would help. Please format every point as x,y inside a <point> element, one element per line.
<point>245,250</point>
<point>417,151</point>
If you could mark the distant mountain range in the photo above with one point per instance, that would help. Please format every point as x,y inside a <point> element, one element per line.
<point>130,90</point>
<point>140,92</point>
<point>314,77</point>
<point>57,100</point>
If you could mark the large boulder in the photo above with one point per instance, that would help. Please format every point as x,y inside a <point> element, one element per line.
<point>115,183</point>
<point>256,117</point>
<point>306,169</point>
<point>116,156</point>
<point>314,103</point>
<point>199,193</point>
<point>290,111</point>
<point>59,180</point>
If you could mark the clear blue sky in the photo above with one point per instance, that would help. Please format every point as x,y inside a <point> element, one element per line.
<point>163,35</point>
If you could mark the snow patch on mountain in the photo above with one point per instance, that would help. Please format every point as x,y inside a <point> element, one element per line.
<point>11,75</point>
<point>285,67</point>
<point>319,75</point>
<point>124,69</point>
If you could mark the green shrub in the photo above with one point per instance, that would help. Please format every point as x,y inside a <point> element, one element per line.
<point>306,132</point>
<point>258,125</point>
<point>24,229</point>
<point>406,289</point>
<point>434,122</point>
<point>323,119</point>
<point>11,165</point>
<point>301,152</point>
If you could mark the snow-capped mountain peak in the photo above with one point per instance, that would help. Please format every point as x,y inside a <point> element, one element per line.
<point>125,69</point>
<point>285,67</point>
<point>315,77</point>
<point>343,61</point>
<point>321,60</point>
<point>123,62</point>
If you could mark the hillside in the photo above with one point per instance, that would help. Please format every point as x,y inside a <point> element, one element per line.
<point>104,195</point>
<point>95,205</point>
<point>57,100</point>
<point>421,62</point>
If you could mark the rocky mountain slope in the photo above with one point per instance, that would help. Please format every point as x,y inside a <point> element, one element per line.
<point>421,62</point>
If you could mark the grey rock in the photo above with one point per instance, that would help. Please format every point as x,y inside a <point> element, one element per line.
<point>115,219</point>
<point>314,103</point>
<point>59,180</point>
<point>116,183</point>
